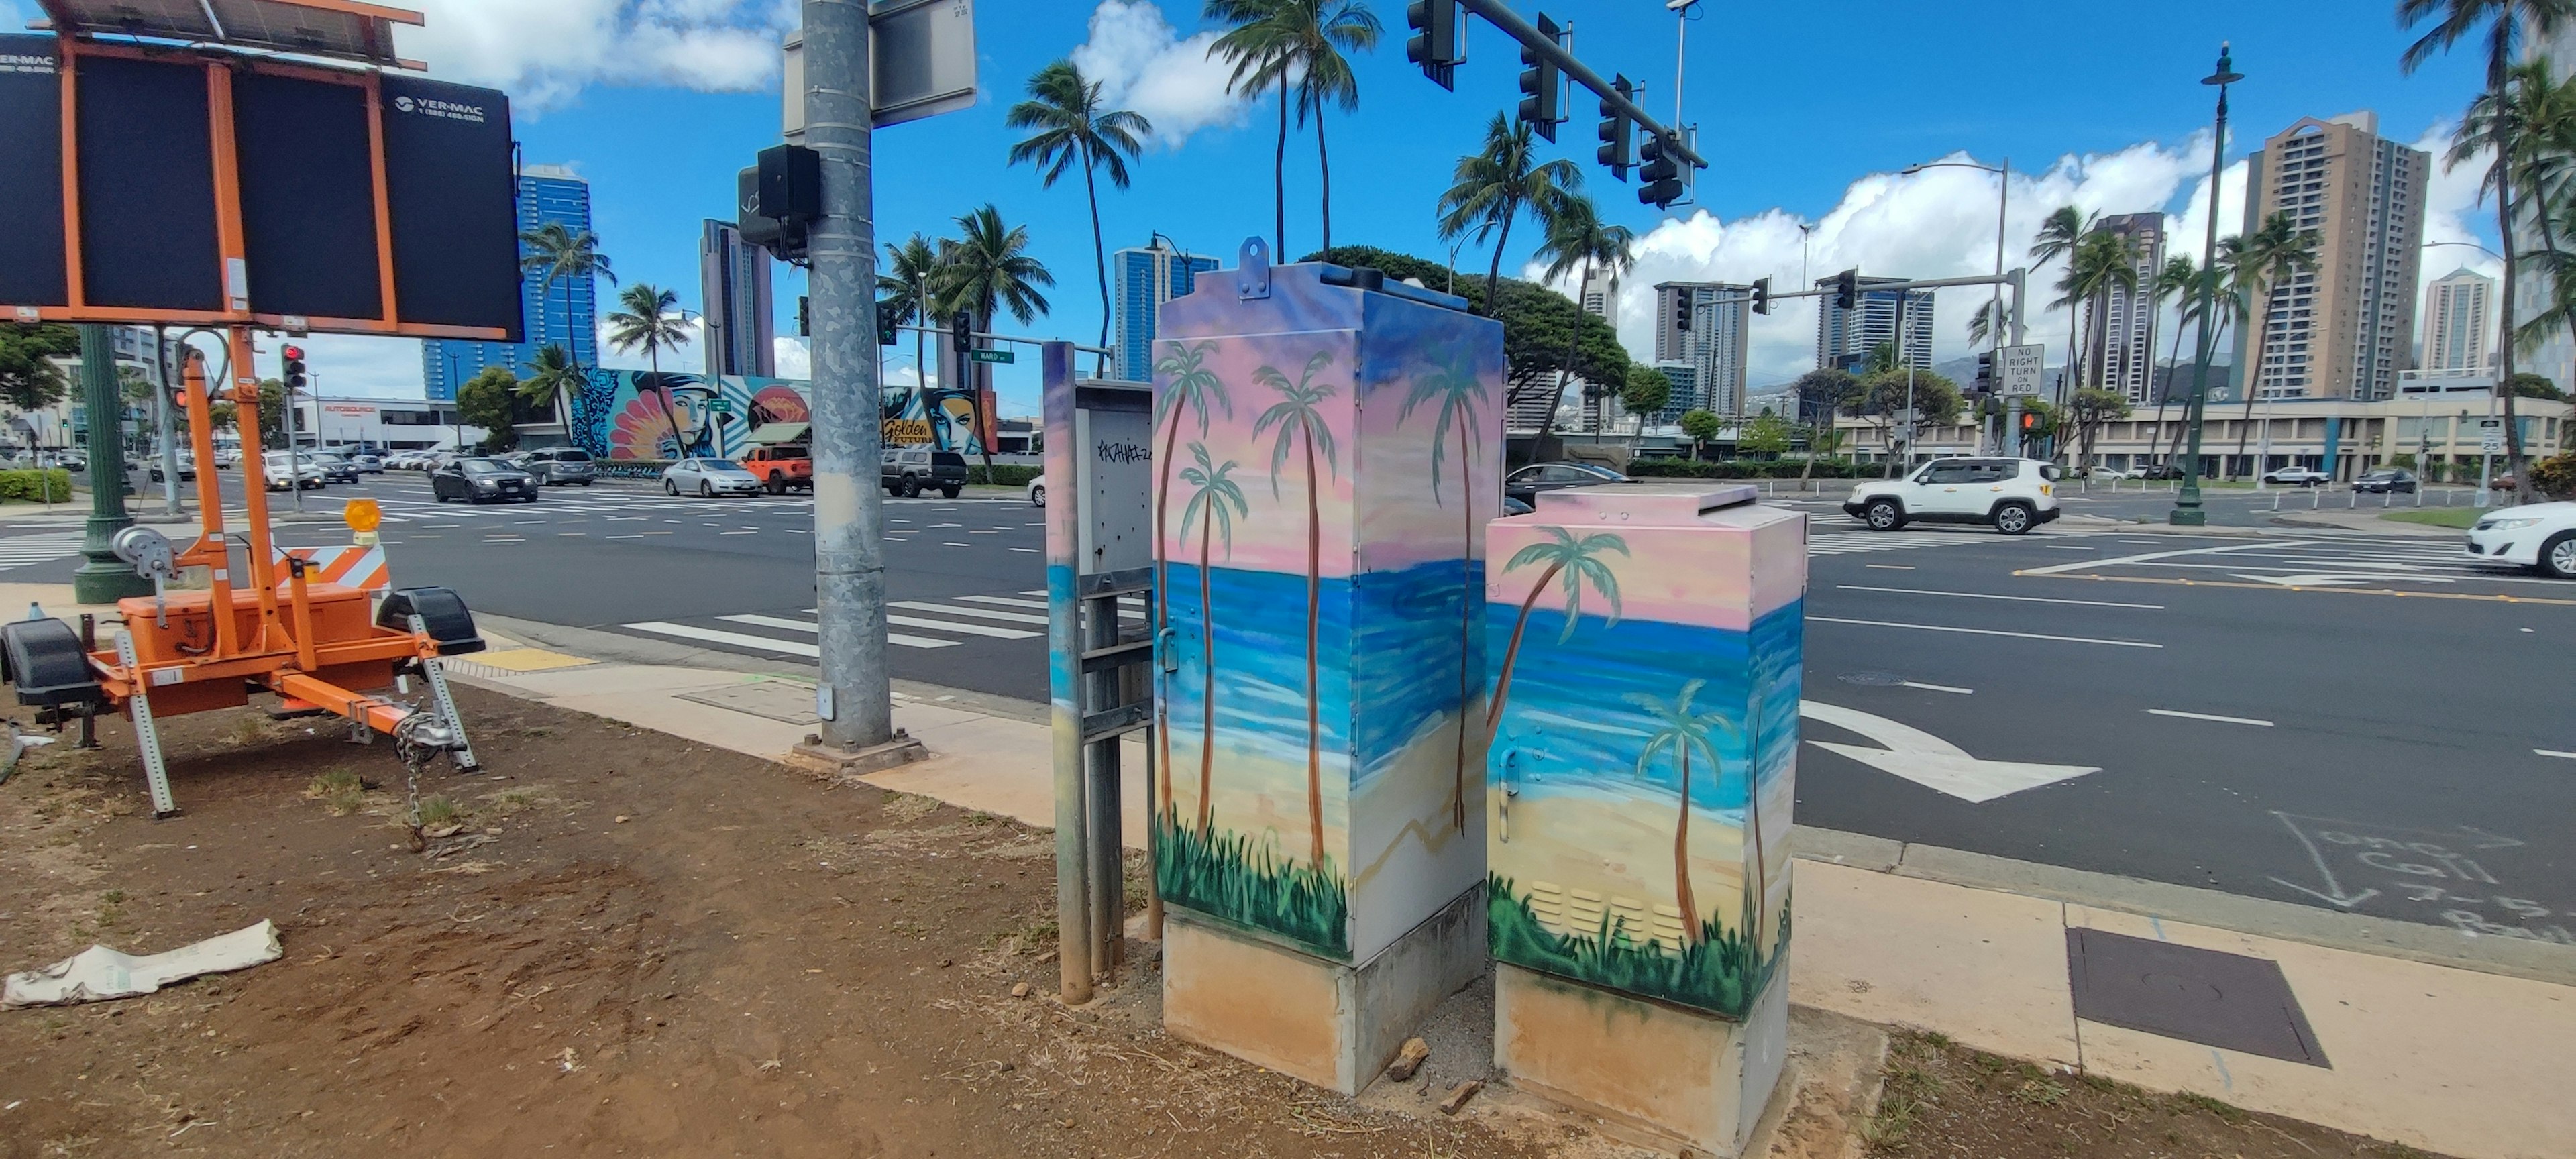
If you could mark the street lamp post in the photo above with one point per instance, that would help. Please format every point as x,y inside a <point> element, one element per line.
<point>2188,511</point>
<point>2003,212</point>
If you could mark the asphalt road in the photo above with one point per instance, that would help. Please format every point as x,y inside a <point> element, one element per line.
<point>2346,721</point>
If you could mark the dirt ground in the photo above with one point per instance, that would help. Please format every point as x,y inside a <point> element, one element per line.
<point>1943,1101</point>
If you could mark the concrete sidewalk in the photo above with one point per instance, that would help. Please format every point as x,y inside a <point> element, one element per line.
<point>2429,1037</point>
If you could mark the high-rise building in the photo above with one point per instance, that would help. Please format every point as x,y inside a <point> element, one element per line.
<point>565,313</point>
<point>1687,395</point>
<point>2120,350</point>
<point>1599,297</point>
<point>741,322</point>
<point>2459,324</point>
<point>1845,338</point>
<point>2346,327</point>
<point>2555,357</point>
<point>1716,343</point>
<point>1139,281</point>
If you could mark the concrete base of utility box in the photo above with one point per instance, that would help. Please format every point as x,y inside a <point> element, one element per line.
<point>1661,1071</point>
<point>1324,1022</point>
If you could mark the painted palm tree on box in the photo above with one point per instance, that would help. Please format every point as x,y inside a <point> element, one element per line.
<point>1459,393</point>
<point>1214,503</point>
<point>1189,388</point>
<point>1580,561</point>
<point>1297,420</point>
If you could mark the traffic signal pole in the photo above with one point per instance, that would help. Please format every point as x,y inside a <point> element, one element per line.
<point>854,696</point>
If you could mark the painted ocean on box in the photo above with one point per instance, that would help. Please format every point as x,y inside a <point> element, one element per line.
<point>1326,459</point>
<point>1645,728</point>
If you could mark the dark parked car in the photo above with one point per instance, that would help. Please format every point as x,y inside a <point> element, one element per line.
<point>336,467</point>
<point>1513,506</point>
<point>482,481</point>
<point>2386,479</point>
<point>2159,471</point>
<point>909,471</point>
<point>560,467</point>
<point>1526,483</point>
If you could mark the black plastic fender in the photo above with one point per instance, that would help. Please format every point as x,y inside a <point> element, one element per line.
<point>441,610</point>
<point>44,659</point>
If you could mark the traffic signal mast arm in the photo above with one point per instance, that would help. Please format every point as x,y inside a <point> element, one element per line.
<point>1545,47</point>
<point>2011,280</point>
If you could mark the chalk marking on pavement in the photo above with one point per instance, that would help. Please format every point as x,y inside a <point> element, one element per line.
<point>2556,753</point>
<point>1989,596</point>
<point>1939,688</point>
<point>2206,716</point>
<point>2148,557</point>
<point>979,613</point>
<point>1976,632</point>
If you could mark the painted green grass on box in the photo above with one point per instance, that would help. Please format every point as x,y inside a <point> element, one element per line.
<point>1710,974</point>
<point>1223,875</point>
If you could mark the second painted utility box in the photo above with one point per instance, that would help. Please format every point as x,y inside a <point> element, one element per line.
<point>1328,452</point>
<point>1646,645</point>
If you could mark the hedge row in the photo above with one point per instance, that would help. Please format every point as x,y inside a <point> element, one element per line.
<point>32,486</point>
<point>1742,469</point>
<point>1003,474</point>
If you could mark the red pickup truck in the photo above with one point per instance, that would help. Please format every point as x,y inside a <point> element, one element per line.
<point>781,467</point>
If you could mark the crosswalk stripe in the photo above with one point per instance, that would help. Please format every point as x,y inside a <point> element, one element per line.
<point>809,627</point>
<point>982,613</point>
<point>737,639</point>
<point>1005,601</point>
<point>969,629</point>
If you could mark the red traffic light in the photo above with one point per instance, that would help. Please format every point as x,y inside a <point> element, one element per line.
<point>2029,420</point>
<point>294,353</point>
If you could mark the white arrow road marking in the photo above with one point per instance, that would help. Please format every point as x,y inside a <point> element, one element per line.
<point>1930,761</point>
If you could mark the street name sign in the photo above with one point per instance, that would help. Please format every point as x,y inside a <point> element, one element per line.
<point>991,356</point>
<point>2017,372</point>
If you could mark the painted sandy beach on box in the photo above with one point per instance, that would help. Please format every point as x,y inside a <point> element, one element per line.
<point>1319,610</point>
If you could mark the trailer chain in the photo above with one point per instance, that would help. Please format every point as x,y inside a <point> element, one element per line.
<point>415,756</point>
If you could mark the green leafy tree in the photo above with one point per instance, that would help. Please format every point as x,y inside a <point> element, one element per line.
<point>1298,413</point>
<point>555,253</point>
<point>486,401</point>
<point>1189,389</point>
<point>2529,385</point>
<point>1702,427</point>
<point>988,269</point>
<point>29,380</point>
<point>1499,184</point>
<point>1823,393</point>
<point>1766,434</point>
<point>648,318</point>
<point>2087,410</point>
<point>2501,28</point>
<point>1578,240</point>
<point>1073,126</point>
<point>2180,279</point>
<point>2102,262</point>
<point>1214,502</point>
<point>1580,561</point>
<point>1536,322</point>
<point>272,413</point>
<point>1646,391</point>
<point>551,376</point>
<point>1882,400</point>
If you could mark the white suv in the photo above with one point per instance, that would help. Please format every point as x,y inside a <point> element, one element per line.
<point>2540,536</point>
<point>2012,495</point>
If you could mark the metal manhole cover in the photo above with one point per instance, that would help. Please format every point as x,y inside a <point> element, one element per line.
<point>1872,679</point>
<point>2218,999</point>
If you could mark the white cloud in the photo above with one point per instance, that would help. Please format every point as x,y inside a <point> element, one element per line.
<point>1145,66</point>
<point>545,53</point>
<point>1941,223</point>
<point>792,357</point>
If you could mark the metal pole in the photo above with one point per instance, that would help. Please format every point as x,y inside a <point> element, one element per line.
<point>102,578</point>
<point>163,423</point>
<point>2188,511</point>
<point>855,698</point>
<point>2486,458</point>
<point>2003,218</point>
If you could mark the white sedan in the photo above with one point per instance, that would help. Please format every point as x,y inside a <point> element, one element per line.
<point>2298,476</point>
<point>2541,536</point>
<point>708,478</point>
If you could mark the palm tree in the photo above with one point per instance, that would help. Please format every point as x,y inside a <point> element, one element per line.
<point>2058,234</point>
<point>1989,321</point>
<point>1320,31</point>
<point>2535,118</point>
<point>551,375</point>
<point>2179,279</point>
<point>2102,262</point>
<point>1455,386</point>
<point>1296,414</point>
<point>1577,239</point>
<point>1494,187</point>
<point>1215,504</point>
<point>1682,730</point>
<point>1259,45</point>
<point>1191,385</point>
<point>1071,125</point>
<point>555,253</point>
<point>649,318</point>
<point>1580,562</point>
<point>905,281</point>
<point>2506,24</point>
<point>2258,264</point>
<point>988,268</point>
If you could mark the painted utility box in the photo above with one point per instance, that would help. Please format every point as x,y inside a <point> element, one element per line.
<point>1328,451</point>
<point>1645,643</point>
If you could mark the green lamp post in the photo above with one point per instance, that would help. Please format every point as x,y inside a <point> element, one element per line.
<point>102,577</point>
<point>2187,511</point>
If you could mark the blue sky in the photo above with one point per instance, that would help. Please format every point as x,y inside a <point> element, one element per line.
<point>1805,112</point>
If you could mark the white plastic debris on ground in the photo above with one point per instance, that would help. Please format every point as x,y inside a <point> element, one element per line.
<point>99,973</point>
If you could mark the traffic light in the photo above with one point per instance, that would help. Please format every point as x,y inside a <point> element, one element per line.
<point>292,374</point>
<point>805,317</point>
<point>2029,419</point>
<point>1618,140</point>
<point>1846,289</point>
<point>1434,43</point>
<point>889,316</point>
<point>1985,380</point>
<point>1682,305</point>
<point>1539,86</point>
<point>1762,296</point>
<point>1659,173</point>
